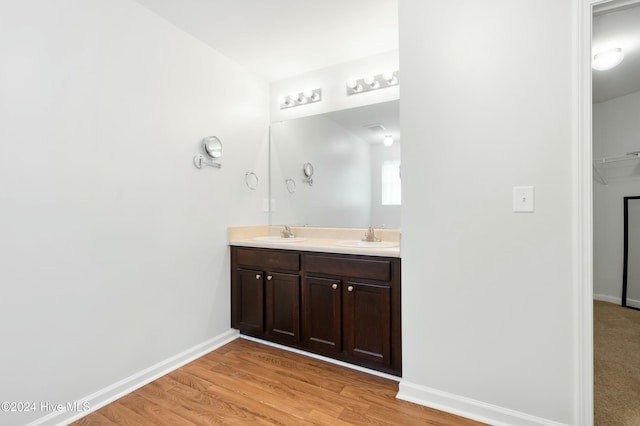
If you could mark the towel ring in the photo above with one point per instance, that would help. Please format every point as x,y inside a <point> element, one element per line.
<point>291,185</point>
<point>251,180</point>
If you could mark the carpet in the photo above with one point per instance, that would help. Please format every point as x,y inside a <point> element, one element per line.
<point>616,357</point>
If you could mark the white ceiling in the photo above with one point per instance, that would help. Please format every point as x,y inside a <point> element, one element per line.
<point>277,39</point>
<point>358,121</point>
<point>617,24</point>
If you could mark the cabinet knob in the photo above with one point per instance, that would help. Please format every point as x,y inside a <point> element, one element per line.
<point>334,286</point>
<point>258,276</point>
<point>269,277</point>
<point>350,288</point>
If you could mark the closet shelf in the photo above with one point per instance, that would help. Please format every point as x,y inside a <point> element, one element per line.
<point>628,156</point>
<point>635,155</point>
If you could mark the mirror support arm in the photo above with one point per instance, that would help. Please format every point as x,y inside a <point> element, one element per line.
<point>200,161</point>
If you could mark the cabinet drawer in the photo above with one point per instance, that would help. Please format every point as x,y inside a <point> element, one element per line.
<point>268,259</point>
<point>349,267</point>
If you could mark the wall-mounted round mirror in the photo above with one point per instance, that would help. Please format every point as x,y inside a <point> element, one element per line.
<point>212,146</point>
<point>307,168</point>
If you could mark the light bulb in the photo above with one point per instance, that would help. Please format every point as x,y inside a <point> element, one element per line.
<point>388,75</point>
<point>352,84</point>
<point>388,140</point>
<point>390,78</point>
<point>371,82</point>
<point>295,97</point>
<point>286,101</point>
<point>607,59</point>
<point>308,94</point>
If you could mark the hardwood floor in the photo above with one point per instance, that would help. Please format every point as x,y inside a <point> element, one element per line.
<point>245,382</point>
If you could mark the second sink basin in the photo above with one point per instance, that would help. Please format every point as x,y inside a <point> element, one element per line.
<point>367,244</point>
<point>277,239</point>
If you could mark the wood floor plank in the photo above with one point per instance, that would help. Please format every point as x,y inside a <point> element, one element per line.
<point>266,394</point>
<point>320,418</point>
<point>95,419</point>
<point>237,407</point>
<point>153,411</point>
<point>307,369</point>
<point>384,405</point>
<point>191,409</point>
<point>290,389</point>
<point>246,382</point>
<point>121,415</point>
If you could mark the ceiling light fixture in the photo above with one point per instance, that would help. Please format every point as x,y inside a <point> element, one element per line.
<point>388,140</point>
<point>301,98</point>
<point>372,82</point>
<point>607,59</point>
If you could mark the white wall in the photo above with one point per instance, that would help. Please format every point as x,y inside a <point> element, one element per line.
<point>616,131</point>
<point>113,251</point>
<point>333,82</point>
<point>488,319</point>
<point>341,191</point>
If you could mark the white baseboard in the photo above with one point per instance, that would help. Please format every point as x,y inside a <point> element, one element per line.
<point>467,407</point>
<point>607,298</point>
<point>119,389</point>
<point>616,300</point>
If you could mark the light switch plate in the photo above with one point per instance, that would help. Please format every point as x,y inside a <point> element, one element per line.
<point>523,199</point>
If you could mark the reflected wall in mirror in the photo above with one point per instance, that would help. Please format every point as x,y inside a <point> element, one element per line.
<point>356,180</point>
<point>631,273</point>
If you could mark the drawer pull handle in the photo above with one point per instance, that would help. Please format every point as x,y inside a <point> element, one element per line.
<point>350,288</point>
<point>269,277</point>
<point>258,276</point>
<point>334,286</point>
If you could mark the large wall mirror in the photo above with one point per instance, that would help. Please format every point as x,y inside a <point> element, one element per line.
<point>631,273</point>
<point>356,172</point>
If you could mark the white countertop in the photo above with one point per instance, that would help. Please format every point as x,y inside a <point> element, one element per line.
<point>323,240</point>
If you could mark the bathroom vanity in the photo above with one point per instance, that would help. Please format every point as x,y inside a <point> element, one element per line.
<point>338,304</point>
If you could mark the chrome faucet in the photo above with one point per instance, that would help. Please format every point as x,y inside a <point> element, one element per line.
<point>370,235</point>
<point>287,232</point>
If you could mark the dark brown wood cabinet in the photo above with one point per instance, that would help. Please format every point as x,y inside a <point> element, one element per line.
<point>282,306</point>
<point>342,306</point>
<point>265,293</point>
<point>322,307</point>
<point>249,298</point>
<point>367,322</point>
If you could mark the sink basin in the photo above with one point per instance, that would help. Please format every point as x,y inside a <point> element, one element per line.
<point>277,239</point>
<point>367,244</point>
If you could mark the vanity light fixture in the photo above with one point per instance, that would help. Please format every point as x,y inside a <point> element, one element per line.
<point>388,140</point>
<point>607,59</point>
<point>372,82</point>
<point>301,98</point>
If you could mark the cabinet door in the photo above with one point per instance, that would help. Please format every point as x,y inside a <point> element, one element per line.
<point>367,322</point>
<point>283,306</point>
<point>247,300</point>
<point>321,325</point>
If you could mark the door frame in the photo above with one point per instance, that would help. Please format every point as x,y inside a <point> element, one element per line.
<point>583,265</point>
<point>583,228</point>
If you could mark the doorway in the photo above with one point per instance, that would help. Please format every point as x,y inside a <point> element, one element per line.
<point>615,100</point>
